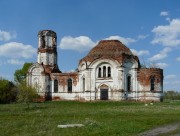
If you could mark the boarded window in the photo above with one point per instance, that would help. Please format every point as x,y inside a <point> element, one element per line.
<point>55,86</point>
<point>69,85</point>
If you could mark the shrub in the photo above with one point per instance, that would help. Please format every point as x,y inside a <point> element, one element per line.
<point>8,91</point>
<point>26,94</point>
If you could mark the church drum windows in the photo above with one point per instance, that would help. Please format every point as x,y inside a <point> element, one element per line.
<point>69,85</point>
<point>104,72</point>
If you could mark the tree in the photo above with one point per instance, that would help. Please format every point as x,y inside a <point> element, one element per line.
<point>172,95</point>
<point>8,91</point>
<point>20,74</point>
<point>26,94</point>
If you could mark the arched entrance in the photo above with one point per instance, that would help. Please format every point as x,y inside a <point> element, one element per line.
<point>104,92</point>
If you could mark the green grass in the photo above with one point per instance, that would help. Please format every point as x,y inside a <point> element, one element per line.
<point>100,118</point>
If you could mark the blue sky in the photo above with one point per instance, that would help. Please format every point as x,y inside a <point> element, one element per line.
<point>150,28</point>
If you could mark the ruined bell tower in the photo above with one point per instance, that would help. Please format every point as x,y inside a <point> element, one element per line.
<point>47,48</point>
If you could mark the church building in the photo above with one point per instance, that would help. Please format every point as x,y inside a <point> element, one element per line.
<point>110,71</point>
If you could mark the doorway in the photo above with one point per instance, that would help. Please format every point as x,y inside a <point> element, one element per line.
<point>104,92</point>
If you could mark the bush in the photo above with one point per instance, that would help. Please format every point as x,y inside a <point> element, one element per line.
<point>8,91</point>
<point>26,94</point>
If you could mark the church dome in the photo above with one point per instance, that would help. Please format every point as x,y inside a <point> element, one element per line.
<point>108,49</point>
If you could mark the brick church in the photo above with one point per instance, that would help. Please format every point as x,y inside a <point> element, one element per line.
<point>110,71</point>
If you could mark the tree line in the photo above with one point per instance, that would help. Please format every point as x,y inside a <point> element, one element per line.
<point>172,95</point>
<point>17,91</point>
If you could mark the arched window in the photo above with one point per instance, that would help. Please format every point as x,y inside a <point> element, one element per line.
<point>104,71</point>
<point>109,71</point>
<point>55,86</point>
<point>152,80</point>
<point>129,83</point>
<point>99,72</point>
<point>83,84</point>
<point>69,85</point>
<point>43,41</point>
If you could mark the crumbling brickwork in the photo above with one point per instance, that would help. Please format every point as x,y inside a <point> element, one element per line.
<point>110,71</point>
<point>144,76</point>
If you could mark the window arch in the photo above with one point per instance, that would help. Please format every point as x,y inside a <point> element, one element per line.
<point>109,71</point>
<point>152,83</point>
<point>104,71</point>
<point>99,72</point>
<point>69,85</point>
<point>129,83</point>
<point>55,86</point>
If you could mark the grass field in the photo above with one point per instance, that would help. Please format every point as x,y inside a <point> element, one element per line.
<point>100,118</point>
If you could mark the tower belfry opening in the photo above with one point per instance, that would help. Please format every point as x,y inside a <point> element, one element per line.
<point>47,47</point>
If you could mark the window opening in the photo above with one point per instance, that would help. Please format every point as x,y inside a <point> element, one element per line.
<point>129,83</point>
<point>55,86</point>
<point>109,71</point>
<point>99,72</point>
<point>104,71</point>
<point>69,85</point>
<point>152,83</point>
<point>83,84</point>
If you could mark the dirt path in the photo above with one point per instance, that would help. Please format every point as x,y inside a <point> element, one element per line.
<point>162,130</point>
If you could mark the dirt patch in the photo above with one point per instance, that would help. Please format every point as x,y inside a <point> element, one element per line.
<point>162,130</point>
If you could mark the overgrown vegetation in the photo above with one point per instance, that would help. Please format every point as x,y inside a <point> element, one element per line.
<point>26,94</point>
<point>8,91</point>
<point>20,74</point>
<point>100,118</point>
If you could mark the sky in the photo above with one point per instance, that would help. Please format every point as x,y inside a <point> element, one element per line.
<point>150,28</point>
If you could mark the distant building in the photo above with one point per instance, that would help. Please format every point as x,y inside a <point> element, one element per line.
<point>110,71</point>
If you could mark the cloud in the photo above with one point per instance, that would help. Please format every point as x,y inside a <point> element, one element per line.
<point>178,59</point>
<point>81,43</point>
<point>170,76</point>
<point>15,62</point>
<point>161,65</point>
<point>17,50</point>
<point>168,19</point>
<point>84,43</point>
<point>6,36</point>
<point>164,13</point>
<point>140,53</point>
<point>124,40</point>
<point>167,35</point>
<point>161,55</point>
<point>142,36</point>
